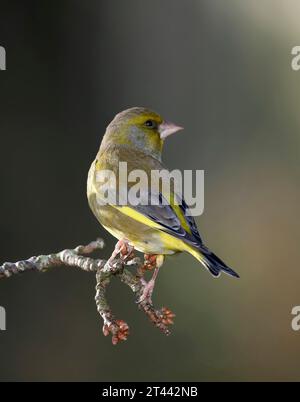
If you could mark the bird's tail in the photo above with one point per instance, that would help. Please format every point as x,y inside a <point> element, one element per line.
<point>211,262</point>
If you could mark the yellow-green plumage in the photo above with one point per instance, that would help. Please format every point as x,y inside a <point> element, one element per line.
<point>129,139</point>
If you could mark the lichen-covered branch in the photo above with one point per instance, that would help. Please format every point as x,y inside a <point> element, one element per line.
<point>104,270</point>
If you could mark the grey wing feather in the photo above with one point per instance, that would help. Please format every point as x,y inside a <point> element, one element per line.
<point>163,214</point>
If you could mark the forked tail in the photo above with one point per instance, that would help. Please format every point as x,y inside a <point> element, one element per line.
<point>213,263</point>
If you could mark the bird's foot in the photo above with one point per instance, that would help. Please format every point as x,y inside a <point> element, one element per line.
<point>118,329</point>
<point>125,250</point>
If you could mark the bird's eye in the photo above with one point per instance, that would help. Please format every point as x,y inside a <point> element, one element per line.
<point>150,124</point>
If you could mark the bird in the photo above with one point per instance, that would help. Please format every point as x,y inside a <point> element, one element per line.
<point>136,137</point>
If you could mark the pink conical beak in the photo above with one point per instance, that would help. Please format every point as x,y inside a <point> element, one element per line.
<point>167,128</point>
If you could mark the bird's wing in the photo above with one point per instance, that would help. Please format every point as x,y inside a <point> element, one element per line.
<point>166,215</point>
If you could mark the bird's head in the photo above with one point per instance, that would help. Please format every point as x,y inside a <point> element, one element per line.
<point>141,129</point>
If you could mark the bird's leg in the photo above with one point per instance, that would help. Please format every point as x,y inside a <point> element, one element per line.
<point>125,250</point>
<point>151,261</point>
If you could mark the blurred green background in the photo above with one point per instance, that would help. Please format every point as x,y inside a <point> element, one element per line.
<point>223,71</point>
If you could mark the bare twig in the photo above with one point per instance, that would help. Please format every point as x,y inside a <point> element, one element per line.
<point>104,272</point>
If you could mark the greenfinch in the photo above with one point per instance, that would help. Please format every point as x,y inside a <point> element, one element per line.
<point>136,136</point>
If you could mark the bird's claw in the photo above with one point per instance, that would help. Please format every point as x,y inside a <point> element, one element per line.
<point>119,330</point>
<point>126,252</point>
